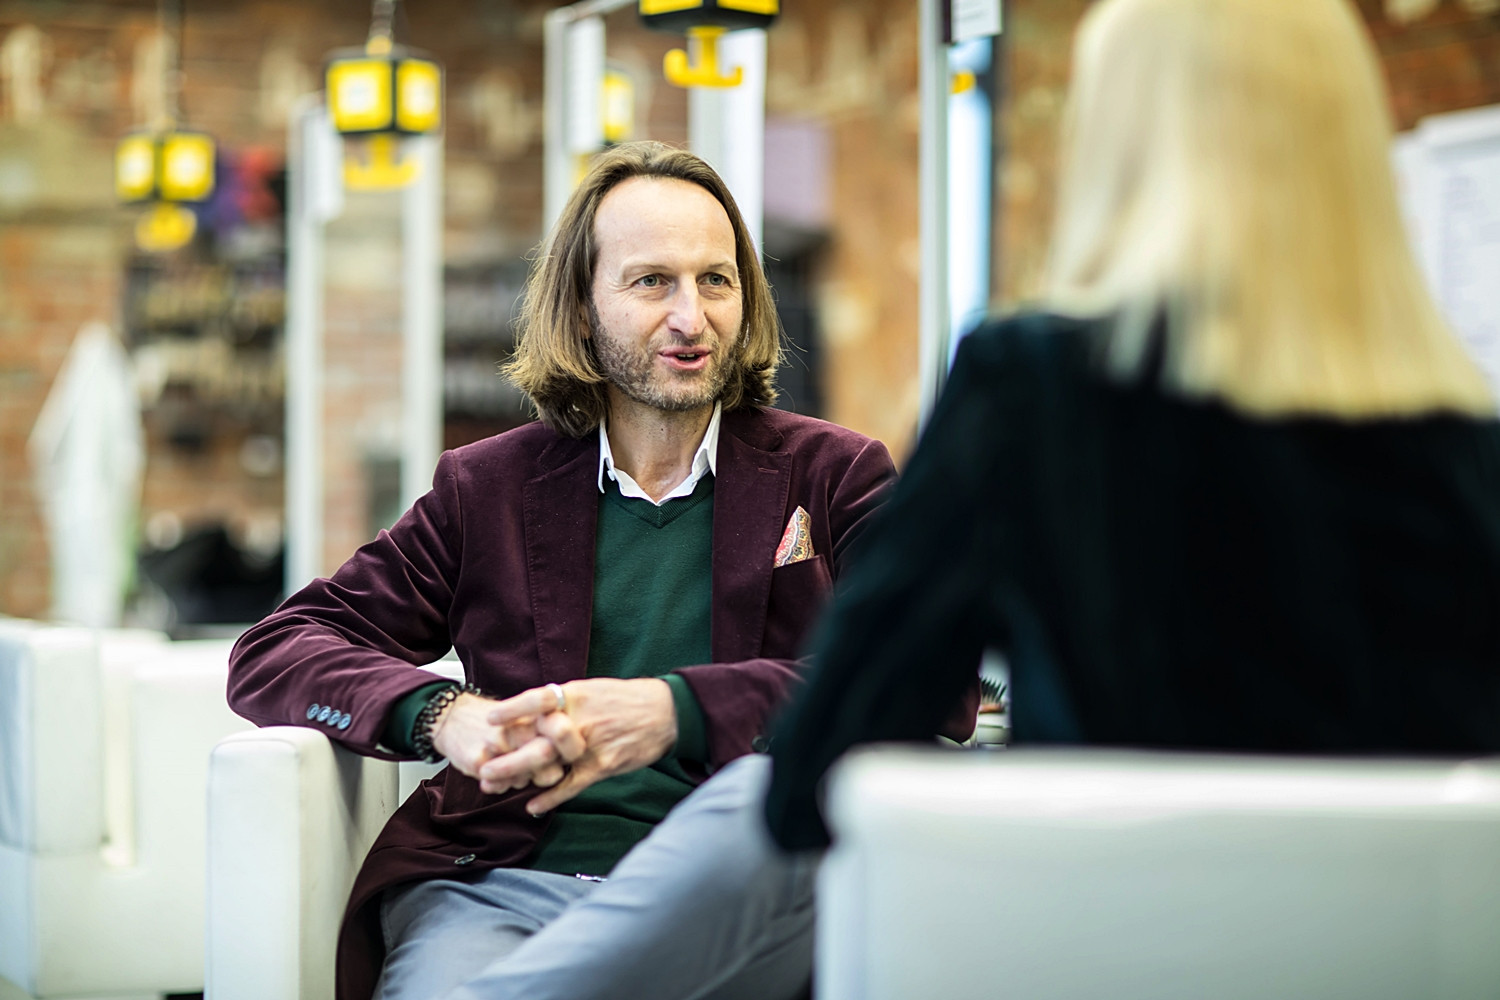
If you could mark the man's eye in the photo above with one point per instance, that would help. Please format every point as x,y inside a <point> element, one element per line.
<point>649,280</point>
<point>716,279</point>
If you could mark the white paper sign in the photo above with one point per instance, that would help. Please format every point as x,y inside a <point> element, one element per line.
<point>974,19</point>
<point>1449,169</point>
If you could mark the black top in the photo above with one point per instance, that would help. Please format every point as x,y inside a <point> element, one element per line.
<point>1162,572</point>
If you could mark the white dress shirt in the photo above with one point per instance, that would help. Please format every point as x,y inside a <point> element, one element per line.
<point>705,459</point>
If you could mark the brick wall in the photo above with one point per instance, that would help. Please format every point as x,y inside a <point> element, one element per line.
<point>1438,55</point>
<point>846,68</point>
<point>79,83</point>
<point>850,66</point>
<point>57,272</point>
<point>853,68</point>
<point>1037,54</point>
<point>53,279</point>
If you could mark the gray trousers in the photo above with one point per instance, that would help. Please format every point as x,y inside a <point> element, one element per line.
<point>705,907</point>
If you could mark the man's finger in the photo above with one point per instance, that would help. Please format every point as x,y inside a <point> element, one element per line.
<point>560,728</point>
<point>577,780</point>
<point>514,769</point>
<point>535,702</point>
<point>517,733</point>
<point>503,739</point>
<point>548,775</point>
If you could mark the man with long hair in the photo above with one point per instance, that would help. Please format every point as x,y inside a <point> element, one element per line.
<point>627,582</point>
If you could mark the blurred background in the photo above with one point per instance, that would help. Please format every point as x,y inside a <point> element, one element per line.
<point>196,334</point>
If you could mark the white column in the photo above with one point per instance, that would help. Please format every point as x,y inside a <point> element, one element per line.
<point>933,198</point>
<point>727,126</point>
<point>314,195</point>
<point>585,93</point>
<point>557,170</point>
<point>573,62</point>
<point>421,318</point>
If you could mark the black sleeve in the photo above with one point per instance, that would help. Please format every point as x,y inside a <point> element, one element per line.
<point>904,634</point>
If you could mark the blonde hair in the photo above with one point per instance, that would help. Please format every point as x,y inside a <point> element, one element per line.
<point>554,361</point>
<point>1226,168</point>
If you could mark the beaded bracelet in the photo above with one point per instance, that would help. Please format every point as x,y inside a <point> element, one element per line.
<point>427,718</point>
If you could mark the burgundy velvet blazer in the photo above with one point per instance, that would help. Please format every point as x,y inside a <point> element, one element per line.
<point>497,561</point>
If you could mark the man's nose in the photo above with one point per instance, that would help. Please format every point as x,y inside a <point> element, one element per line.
<point>686,316</point>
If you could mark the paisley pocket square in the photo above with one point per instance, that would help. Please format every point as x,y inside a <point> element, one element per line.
<point>796,541</point>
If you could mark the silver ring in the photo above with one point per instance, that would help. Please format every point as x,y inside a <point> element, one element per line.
<point>560,695</point>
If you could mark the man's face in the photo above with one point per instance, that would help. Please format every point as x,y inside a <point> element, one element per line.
<point>667,304</point>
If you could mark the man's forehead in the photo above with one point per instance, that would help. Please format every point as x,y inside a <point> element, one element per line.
<point>653,209</point>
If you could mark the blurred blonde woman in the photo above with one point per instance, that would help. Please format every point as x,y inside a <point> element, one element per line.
<point>1238,485</point>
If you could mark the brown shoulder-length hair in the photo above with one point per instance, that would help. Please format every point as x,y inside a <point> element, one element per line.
<point>554,361</point>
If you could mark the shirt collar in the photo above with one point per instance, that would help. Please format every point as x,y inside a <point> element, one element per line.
<point>705,459</point>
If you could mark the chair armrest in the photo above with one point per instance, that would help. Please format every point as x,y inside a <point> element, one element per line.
<point>290,818</point>
<point>1053,874</point>
<point>51,793</point>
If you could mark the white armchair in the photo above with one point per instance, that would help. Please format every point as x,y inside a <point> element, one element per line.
<point>104,744</point>
<point>1127,876</point>
<point>290,818</point>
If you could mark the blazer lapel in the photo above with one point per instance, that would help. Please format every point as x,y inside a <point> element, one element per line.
<point>561,511</point>
<point>750,499</point>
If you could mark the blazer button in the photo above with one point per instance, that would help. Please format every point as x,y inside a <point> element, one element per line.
<point>760,744</point>
<point>324,713</point>
<point>312,711</point>
<point>465,860</point>
<point>344,721</point>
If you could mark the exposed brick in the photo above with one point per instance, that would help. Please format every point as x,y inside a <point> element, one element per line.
<point>851,65</point>
<point>1447,61</point>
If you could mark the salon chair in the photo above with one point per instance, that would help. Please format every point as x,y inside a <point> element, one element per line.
<point>104,744</point>
<point>1068,875</point>
<point>291,815</point>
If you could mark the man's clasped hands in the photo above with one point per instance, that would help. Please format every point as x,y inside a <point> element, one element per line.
<point>600,727</point>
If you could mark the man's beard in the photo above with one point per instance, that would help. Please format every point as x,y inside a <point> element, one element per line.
<point>631,368</point>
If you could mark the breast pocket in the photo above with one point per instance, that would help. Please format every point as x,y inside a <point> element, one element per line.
<point>798,592</point>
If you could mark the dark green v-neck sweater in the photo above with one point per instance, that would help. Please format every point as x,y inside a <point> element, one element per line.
<point>652,601</point>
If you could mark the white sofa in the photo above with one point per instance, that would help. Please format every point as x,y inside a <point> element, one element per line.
<point>290,818</point>
<point>1128,876</point>
<point>104,744</point>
